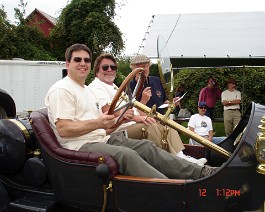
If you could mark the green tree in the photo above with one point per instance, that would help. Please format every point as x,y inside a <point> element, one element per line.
<point>6,35</point>
<point>20,40</point>
<point>89,22</point>
<point>250,83</point>
<point>29,43</point>
<point>20,12</point>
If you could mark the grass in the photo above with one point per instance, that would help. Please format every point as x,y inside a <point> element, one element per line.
<point>218,128</point>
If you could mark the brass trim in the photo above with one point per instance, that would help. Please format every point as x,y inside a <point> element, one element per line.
<point>101,159</point>
<point>22,128</point>
<point>261,168</point>
<point>184,130</point>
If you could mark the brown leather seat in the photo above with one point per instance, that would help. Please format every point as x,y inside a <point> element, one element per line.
<point>195,151</point>
<point>48,141</point>
<point>71,173</point>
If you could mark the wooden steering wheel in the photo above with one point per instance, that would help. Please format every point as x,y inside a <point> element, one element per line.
<point>124,97</point>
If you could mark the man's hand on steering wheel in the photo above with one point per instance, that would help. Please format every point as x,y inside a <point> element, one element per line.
<point>128,115</point>
<point>105,121</point>
<point>145,120</point>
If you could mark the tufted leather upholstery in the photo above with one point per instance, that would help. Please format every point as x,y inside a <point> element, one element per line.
<point>195,151</point>
<point>49,143</point>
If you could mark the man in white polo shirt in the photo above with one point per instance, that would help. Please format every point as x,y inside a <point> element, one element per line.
<point>104,88</point>
<point>231,99</point>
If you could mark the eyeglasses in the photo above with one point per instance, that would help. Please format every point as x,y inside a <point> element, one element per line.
<point>106,67</point>
<point>203,108</point>
<point>79,59</point>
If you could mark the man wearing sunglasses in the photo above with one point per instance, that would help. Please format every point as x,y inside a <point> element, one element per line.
<point>137,126</point>
<point>79,124</point>
<point>202,125</point>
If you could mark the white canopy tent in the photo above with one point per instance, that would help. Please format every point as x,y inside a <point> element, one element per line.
<point>209,39</point>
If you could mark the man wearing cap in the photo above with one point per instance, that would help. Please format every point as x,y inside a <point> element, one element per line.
<point>202,125</point>
<point>139,126</point>
<point>153,92</point>
<point>210,95</point>
<point>231,99</point>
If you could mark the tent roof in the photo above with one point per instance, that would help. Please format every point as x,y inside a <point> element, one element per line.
<point>210,39</point>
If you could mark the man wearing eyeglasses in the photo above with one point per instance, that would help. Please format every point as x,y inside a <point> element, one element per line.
<point>153,92</point>
<point>138,126</point>
<point>79,124</point>
<point>202,125</point>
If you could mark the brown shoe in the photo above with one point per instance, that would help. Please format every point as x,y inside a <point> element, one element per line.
<point>208,170</point>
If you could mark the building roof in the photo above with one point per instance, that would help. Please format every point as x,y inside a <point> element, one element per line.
<point>48,18</point>
<point>210,39</point>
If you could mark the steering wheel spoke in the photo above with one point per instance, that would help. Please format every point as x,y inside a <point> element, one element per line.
<point>124,94</point>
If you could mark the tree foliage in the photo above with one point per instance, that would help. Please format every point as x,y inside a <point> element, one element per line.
<point>22,41</point>
<point>6,35</point>
<point>31,44</point>
<point>251,83</point>
<point>89,22</point>
<point>20,12</point>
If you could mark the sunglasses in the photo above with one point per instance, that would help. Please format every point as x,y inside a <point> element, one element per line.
<point>79,59</point>
<point>203,108</point>
<point>106,67</point>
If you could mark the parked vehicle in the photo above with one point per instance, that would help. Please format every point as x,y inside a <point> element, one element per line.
<point>28,81</point>
<point>37,174</point>
<point>57,179</point>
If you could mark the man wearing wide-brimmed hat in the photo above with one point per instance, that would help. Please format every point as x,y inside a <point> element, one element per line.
<point>231,99</point>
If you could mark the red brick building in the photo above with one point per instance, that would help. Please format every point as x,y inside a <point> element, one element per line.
<point>42,20</point>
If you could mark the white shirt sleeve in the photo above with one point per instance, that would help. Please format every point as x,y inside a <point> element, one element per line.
<point>192,122</point>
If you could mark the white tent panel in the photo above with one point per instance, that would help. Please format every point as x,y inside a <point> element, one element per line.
<point>210,35</point>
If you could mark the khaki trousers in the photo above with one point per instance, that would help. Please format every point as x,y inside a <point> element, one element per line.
<point>154,133</point>
<point>231,119</point>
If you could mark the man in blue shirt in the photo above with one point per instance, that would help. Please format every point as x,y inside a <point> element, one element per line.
<point>153,91</point>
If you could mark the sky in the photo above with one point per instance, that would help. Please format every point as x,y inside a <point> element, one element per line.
<point>134,18</point>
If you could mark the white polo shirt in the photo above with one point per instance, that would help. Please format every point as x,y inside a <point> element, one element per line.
<point>105,94</point>
<point>230,96</point>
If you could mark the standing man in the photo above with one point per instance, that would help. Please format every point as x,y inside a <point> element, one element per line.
<point>140,126</point>
<point>231,99</point>
<point>202,125</point>
<point>153,92</point>
<point>210,95</point>
<point>80,125</point>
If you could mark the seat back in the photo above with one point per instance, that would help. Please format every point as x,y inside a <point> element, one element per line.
<point>71,173</point>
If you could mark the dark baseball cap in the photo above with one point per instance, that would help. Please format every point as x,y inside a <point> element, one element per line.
<point>202,104</point>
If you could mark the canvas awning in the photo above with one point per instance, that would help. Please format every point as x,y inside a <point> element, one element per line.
<point>210,39</point>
